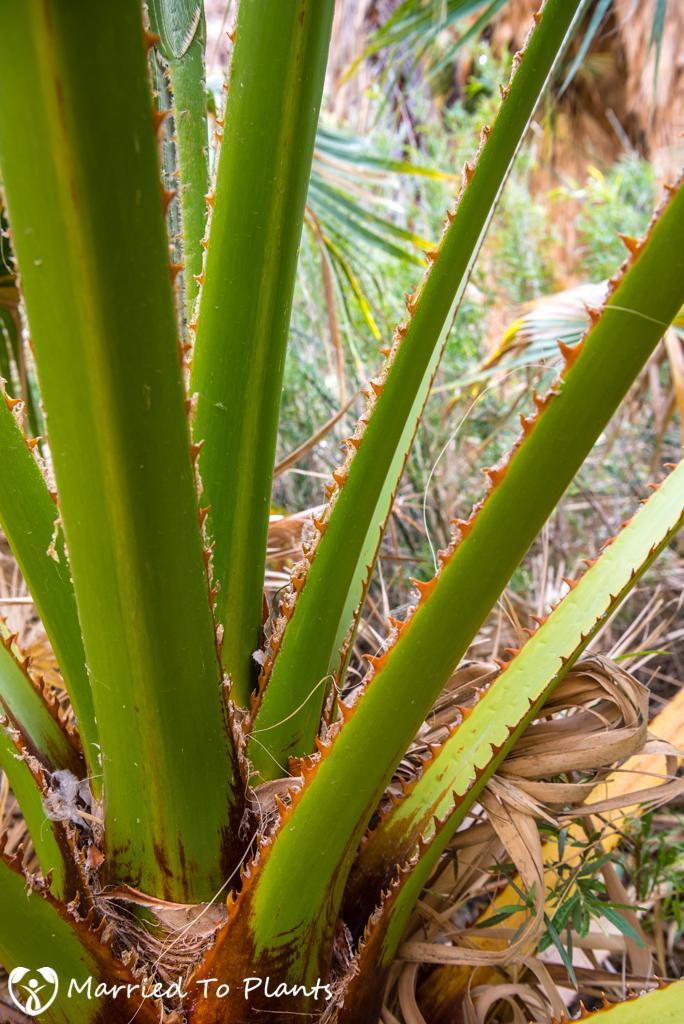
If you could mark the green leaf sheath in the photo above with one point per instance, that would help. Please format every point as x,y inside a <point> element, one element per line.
<point>54,856</point>
<point>276,82</point>
<point>28,517</point>
<point>190,115</point>
<point>335,581</point>
<point>27,711</point>
<point>82,181</point>
<point>34,742</point>
<point>182,30</point>
<point>43,934</point>
<point>6,325</point>
<point>292,899</point>
<point>13,350</point>
<point>452,781</point>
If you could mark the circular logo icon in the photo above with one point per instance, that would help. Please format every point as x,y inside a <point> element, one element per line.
<point>33,991</point>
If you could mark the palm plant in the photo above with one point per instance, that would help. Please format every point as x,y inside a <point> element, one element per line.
<point>186,769</point>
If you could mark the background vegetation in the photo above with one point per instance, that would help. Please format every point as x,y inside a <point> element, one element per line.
<point>404,110</point>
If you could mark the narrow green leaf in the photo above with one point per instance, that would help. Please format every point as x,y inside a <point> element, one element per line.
<point>562,840</point>
<point>473,30</point>
<point>656,37</point>
<point>503,915</point>
<point>599,13</point>
<point>350,152</point>
<point>334,207</point>
<point>345,272</point>
<point>82,180</point>
<point>309,651</point>
<point>563,952</point>
<point>620,922</point>
<point>28,517</point>
<point>416,26</point>
<point>276,82</point>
